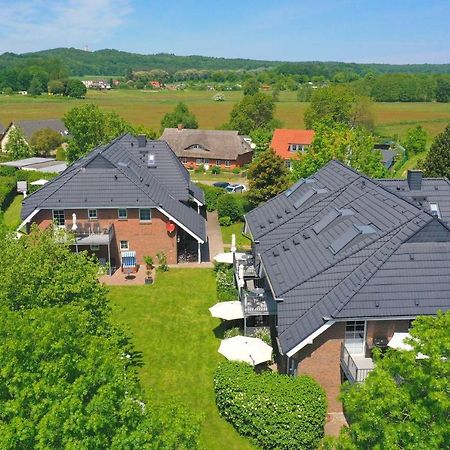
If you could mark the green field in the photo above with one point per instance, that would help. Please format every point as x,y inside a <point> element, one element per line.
<point>148,107</point>
<point>171,325</point>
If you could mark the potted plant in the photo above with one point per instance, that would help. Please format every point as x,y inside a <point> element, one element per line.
<point>148,269</point>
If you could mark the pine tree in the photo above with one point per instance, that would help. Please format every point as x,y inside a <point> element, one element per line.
<point>437,162</point>
<point>267,177</point>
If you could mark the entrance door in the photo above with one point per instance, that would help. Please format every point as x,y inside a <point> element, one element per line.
<point>355,335</point>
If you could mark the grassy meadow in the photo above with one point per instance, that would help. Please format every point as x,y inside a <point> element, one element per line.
<point>148,107</point>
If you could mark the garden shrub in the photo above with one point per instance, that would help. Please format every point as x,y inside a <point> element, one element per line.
<point>60,154</point>
<point>274,411</point>
<point>263,334</point>
<point>232,332</point>
<point>228,206</point>
<point>225,221</point>
<point>242,200</point>
<point>162,262</point>
<point>226,289</point>
<point>236,170</point>
<point>212,193</point>
<point>215,170</point>
<point>200,169</point>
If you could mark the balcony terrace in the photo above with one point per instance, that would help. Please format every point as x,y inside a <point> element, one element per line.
<point>355,367</point>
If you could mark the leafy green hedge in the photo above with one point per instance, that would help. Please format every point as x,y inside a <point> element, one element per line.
<point>274,411</point>
<point>228,206</point>
<point>212,194</point>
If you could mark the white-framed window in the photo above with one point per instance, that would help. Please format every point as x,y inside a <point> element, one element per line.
<point>58,217</point>
<point>227,163</point>
<point>122,213</point>
<point>145,215</point>
<point>92,214</point>
<point>124,245</point>
<point>206,161</point>
<point>288,164</point>
<point>95,247</point>
<point>184,160</point>
<point>435,211</point>
<point>199,160</point>
<point>355,336</point>
<point>195,146</point>
<point>293,147</point>
<point>218,162</point>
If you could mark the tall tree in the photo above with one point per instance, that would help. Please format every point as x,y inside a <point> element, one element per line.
<point>90,127</point>
<point>17,147</point>
<point>338,105</point>
<point>44,141</point>
<point>251,86</point>
<point>437,161</point>
<point>75,88</point>
<point>415,140</point>
<point>443,89</point>
<point>405,402</point>
<point>179,116</point>
<point>267,177</point>
<point>352,146</point>
<point>253,112</point>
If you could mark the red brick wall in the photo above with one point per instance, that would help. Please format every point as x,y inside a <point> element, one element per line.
<point>144,238</point>
<point>239,162</point>
<point>321,360</point>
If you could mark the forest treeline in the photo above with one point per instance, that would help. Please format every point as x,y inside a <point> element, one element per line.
<point>383,82</point>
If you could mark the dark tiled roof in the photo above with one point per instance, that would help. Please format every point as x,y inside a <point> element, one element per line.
<point>349,251</point>
<point>116,175</point>
<point>28,127</point>
<point>215,144</point>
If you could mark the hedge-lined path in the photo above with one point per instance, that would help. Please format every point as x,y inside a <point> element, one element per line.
<point>214,235</point>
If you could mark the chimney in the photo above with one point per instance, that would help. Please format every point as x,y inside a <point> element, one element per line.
<point>414,178</point>
<point>142,140</point>
<point>180,127</point>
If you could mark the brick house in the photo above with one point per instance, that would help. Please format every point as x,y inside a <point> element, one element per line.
<point>226,149</point>
<point>129,198</point>
<point>287,143</point>
<point>345,263</point>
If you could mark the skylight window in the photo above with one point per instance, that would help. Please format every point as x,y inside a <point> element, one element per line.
<point>348,236</point>
<point>327,220</point>
<point>299,183</point>
<point>435,211</point>
<point>307,195</point>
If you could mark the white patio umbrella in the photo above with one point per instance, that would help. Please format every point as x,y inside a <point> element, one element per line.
<point>233,243</point>
<point>74,222</point>
<point>397,341</point>
<point>227,310</point>
<point>227,258</point>
<point>39,182</point>
<point>247,349</point>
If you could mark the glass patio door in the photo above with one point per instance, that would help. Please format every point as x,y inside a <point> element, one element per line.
<point>355,335</point>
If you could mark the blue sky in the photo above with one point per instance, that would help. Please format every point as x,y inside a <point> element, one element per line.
<point>391,31</point>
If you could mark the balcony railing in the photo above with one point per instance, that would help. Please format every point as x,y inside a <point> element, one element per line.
<point>355,367</point>
<point>247,261</point>
<point>92,234</point>
<point>258,302</point>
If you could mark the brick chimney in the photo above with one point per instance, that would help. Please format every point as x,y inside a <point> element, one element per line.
<point>414,178</point>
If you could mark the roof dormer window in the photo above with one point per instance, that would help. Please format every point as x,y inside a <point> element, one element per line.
<point>195,147</point>
<point>435,211</point>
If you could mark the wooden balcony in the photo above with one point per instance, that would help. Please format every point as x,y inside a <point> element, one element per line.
<point>355,367</point>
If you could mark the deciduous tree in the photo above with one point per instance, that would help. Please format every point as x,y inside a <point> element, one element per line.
<point>179,116</point>
<point>437,162</point>
<point>267,177</point>
<point>17,147</point>
<point>405,403</point>
<point>415,140</point>
<point>75,88</point>
<point>351,146</point>
<point>253,112</point>
<point>44,141</point>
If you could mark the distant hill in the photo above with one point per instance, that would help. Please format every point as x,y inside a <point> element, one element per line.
<point>114,62</point>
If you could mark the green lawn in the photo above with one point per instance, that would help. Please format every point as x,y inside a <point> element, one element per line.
<point>236,228</point>
<point>12,213</point>
<point>170,323</point>
<point>411,163</point>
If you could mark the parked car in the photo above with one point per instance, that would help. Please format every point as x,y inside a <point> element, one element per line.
<point>221,184</point>
<point>232,188</point>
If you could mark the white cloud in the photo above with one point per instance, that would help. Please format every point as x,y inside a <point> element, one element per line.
<point>29,25</point>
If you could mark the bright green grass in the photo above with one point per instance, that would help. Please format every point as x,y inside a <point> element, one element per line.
<point>411,163</point>
<point>148,108</point>
<point>236,228</point>
<point>12,213</point>
<point>171,325</point>
<point>222,176</point>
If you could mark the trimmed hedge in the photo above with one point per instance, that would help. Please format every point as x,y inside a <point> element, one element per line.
<point>226,290</point>
<point>228,206</point>
<point>274,411</point>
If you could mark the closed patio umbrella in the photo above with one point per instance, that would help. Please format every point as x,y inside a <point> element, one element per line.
<point>247,349</point>
<point>74,222</point>
<point>227,310</point>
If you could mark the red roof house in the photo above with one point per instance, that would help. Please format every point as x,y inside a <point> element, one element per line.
<point>287,143</point>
